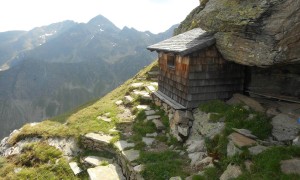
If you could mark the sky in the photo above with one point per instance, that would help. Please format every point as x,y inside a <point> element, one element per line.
<point>153,15</point>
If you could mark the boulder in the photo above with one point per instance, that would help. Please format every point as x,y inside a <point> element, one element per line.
<point>196,146</point>
<point>260,33</point>
<point>285,128</point>
<point>239,98</point>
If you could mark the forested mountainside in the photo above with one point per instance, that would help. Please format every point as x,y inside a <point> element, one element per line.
<point>52,69</point>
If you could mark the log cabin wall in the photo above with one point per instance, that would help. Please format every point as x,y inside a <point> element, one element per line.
<point>199,77</point>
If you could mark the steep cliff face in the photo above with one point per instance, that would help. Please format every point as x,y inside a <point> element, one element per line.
<point>253,32</point>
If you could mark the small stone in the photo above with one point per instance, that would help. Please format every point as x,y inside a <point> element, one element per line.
<point>138,168</point>
<point>296,141</point>
<point>196,157</point>
<point>110,172</point>
<point>149,118</point>
<point>143,107</point>
<point>257,149</point>
<point>184,130</point>
<point>181,153</point>
<point>151,134</point>
<point>171,147</point>
<point>75,168</point>
<point>245,132</point>
<point>291,166</point>
<point>96,161</point>
<point>248,165</point>
<point>17,170</point>
<point>128,99</point>
<point>103,118</point>
<point>240,140</point>
<point>158,124</point>
<point>175,178</point>
<point>232,149</point>
<point>205,162</point>
<point>196,146</point>
<point>119,102</point>
<point>137,85</point>
<point>231,172</point>
<point>148,141</point>
<point>150,112</point>
<point>121,145</point>
<point>151,88</point>
<point>131,155</point>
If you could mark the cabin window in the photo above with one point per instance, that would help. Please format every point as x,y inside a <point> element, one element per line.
<point>171,61</point>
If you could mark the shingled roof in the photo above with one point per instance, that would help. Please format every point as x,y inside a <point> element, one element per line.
<point>185,43</point>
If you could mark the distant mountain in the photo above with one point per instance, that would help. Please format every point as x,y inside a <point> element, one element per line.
<point>52,69</point>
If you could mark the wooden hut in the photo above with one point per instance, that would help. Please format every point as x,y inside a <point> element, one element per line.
<point>192,70</point>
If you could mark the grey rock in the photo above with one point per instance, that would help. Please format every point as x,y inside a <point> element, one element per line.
<point>175,178</point>
<point>272,112</point>
<point>149,118</point>
<point>119,102</point>
<point>121,145</point>
<point>110,172</point>
<point>137,85</point>
<point>151,134</point>
<point>253,104</point>
<point>148,141</point>
<point>196,157</point>
<point>291,166</point>
<point>127,99</point>
<point>296,141</point>
<point>75,168</point>
<point>257,149</point>
<point>241,140</point>
<point>68,146</point>
<point>196,146</point>
<point>184,130</point>
<point>158,124</point>
<point>285,128</point>
<point>248,165</point>
<point>245,132</point>
<point>100,138</point>
<point>139,168</point>
<point>151,88</point>
<point>150,112</point>
<point>96,161</point>
<point>232,171</point>
<point>143,107</point>
<point>180,117</point>
<point>103,118</point>
<point>232,149</point>
<point>205,162</point>
<point>131,155</point>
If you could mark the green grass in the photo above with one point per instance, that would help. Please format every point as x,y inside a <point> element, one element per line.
<point>237,117</point>
<point>162,165</point>
<point>266,165</point>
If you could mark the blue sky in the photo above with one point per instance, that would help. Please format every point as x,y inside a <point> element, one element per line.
<point>153,15</point>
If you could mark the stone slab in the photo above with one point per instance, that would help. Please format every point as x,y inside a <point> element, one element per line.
<point>96,161</point>
<point>150,112</point>
<point>102,138</point>
<point>285,128</point>
<point>257,149</point>
<point>159,125</point>
<point>131,155</point>
<point>143,107</point>
<point>240,140</point>
<point>231,172</point>
<point>119,102</point>
<point>291,166</point>
<point>148,141</point>
<point>75,168</point>
<point>121,145</point>
<point>245,132</point>
<point>110,172</point>
<point>136,85</point>
<point>149,118</point>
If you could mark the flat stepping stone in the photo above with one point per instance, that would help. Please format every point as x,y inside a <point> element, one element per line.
<point>245,132</point>
<point>240,140</point>
<point>96,161</point>
<point>154,84</point>
<point>128,99</point>
<point>151,88</point>
<point>159,125</point>
<point>138,168</point>
<point>149,118</point>
<point>121,145</point>
<point>143,107</point>
<point>142,94</point>
<point>103,118</point>
<point>291,166</point>
<point>148,141</point>
<point>118,103</point>
<point>151,134</point>
<point>101,138</point>
<point>110,172</point>
<point>257,149</point>
<point>75,168</point>
<point>150,112</point>
<point>131,155</point>
<point>137,85</point>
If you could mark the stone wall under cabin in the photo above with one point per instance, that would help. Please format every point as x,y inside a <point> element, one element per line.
<point>282,80</point>
<point>199,77</point>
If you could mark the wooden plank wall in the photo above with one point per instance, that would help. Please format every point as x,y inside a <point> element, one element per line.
<point>199,77</point>
<point>212,77</point>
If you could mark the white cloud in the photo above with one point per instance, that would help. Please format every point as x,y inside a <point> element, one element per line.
<point>153,15</point>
